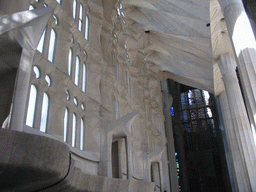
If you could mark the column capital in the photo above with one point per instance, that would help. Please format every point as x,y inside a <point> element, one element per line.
<point>226,63</point>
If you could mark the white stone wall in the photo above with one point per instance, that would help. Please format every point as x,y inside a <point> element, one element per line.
<point>109,95</point>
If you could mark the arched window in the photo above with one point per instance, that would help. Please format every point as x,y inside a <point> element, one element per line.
<point>65,125</point>
<point>80,21</point>
<point>52,45</point>
<point>82,135</point>
<point>48,80</point>
<point>70,61</point>
<point>74,9</point>
<point>77,70</point>
<point>55,19</point>
<point>74,131</point>
<point>36,71</point>
<point>86,31</point>
<point>31,106</point>
<point>58,1</point>
<point>44,114</point>
<point>68,96</point>
<point>75,101</point>
<point>82,106</point>
<point>31,7</point>
<point>84,78</point>
<point>40,46</point>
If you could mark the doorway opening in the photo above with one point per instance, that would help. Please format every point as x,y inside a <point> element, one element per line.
<point>119,158</point>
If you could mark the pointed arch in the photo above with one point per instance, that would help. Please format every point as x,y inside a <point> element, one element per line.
<point>31,106</point>
<point>44,112</point>
<point>52,45</point>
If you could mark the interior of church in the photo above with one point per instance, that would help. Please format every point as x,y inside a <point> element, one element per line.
<point>128,95</point>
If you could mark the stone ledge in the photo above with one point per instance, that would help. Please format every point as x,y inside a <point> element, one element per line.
<point>30,162</point>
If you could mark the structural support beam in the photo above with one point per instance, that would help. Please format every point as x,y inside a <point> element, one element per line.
<point>244,156</point>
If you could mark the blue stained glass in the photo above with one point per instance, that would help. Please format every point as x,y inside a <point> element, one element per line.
<point>172,111</point>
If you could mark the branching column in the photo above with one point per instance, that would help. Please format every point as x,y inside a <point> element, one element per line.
<point>241,127</point>
<point>243,40</point>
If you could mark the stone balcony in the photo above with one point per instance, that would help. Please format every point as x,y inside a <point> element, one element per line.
<point>31,162</point>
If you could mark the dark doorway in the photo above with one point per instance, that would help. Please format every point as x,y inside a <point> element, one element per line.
<point>115,160</point>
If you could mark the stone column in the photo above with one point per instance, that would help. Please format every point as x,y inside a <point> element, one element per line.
<point>167,103</point>
<point>238,179</point>
<point>246,150</point>
<point>243,39</point>
<point>180,149</point>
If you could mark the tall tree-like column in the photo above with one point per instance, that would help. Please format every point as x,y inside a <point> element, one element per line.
<point>243,40</point>
<point>246,152</point>
<point>236,166</point>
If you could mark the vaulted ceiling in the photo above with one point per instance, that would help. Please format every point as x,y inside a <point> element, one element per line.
<point>180,36</point>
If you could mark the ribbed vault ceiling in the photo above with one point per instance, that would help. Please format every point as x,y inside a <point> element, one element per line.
<point>179,39</point>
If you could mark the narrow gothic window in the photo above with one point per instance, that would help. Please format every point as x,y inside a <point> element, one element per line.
<point>84,78</point>
<point>70,60</point>
<point>40,46</point>
<point>80,21</point>
<point>31,106</point>
<point>36,71</point>
<point>55,19</point>
<point>65,125</point>
<point>77,70</point>
<point>52,45</point>
<point>48,80</point>
<point>86,32</point>
<point>74,9</point>
<point>58,1</point>
<point>44,114</point>
<point>74,131</point>
<point>82,135</point>
<point>75,101</point>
